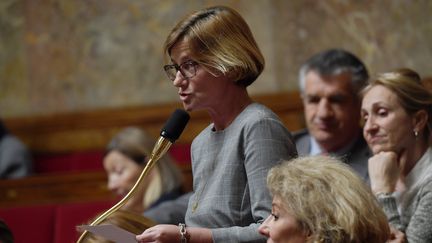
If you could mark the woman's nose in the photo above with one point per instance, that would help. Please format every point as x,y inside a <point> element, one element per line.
<point>369,125</point>
<point>179,80</point>
<point>264,227</point>
<point>112,185</point>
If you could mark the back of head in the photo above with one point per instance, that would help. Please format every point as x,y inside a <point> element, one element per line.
<point>129,221</point>
<point>333,62</point>
<point>221,41</point>
<point>132,142</point>
<point>329,200</point>
<point>411,92</point>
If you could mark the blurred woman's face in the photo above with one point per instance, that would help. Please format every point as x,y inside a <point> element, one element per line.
<point>122,172</point>
<point>387,126</point>
<point>281,226</point>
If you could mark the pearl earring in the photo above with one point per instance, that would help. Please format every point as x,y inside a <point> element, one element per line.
<point>415,133</point>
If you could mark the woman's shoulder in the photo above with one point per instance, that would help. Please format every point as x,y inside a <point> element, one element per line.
<point>427,183</point>
<point>252,117</point>
<point>424,189</point>
<point>11,142</point>
<point>260,121</point>
<point>259,110</point>
<point>256,113</point>
<point>168,196</point>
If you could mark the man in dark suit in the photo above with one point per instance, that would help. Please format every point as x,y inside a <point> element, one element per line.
<point>330,82</point>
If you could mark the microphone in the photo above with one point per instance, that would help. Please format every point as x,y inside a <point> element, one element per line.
<point>168,135</point>
<point>175,125</point>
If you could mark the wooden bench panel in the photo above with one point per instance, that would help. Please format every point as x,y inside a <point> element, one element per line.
<point>90,130</point>
<point>59,188</point>
<point>65,188</point>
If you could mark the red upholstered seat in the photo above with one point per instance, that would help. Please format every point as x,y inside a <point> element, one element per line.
<point>79,161</point>
<point>92,160</point>
<point>68,216</point>
<point>30,224</point>
<point>57,223</point>
<point>51,223</point>
<point>180,153</point>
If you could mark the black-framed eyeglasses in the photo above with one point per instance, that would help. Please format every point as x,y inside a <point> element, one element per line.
<point>187,69</point>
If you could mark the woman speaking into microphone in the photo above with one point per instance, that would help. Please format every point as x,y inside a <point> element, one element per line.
<point>212,58</point>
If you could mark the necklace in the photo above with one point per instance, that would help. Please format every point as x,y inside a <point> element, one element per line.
<point>206,176</point>
<point>198,197</point>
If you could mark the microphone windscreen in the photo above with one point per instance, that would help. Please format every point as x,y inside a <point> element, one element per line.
<point>175,125</point>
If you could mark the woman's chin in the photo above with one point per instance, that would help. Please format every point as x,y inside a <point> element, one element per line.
<point>381,148</point>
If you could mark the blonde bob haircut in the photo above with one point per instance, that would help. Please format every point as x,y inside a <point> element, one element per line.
<point>330,202</point>
<point>412,95</point>
<point>220,40</point>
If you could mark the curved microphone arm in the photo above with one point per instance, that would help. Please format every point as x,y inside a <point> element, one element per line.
<point>161,147</point>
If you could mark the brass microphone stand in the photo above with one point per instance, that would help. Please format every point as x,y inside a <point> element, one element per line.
<point>161,147</point>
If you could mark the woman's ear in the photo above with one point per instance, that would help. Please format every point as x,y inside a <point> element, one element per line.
<point>420,120</point>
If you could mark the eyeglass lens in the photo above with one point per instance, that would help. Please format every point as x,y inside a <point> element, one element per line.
<point>187,69</point>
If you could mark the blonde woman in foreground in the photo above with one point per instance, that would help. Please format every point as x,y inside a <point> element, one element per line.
<point>320,199</point>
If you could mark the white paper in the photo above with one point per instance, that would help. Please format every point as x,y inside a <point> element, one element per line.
<point>110,232</point>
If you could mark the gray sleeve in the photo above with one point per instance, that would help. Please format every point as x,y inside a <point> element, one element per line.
<point>170,212</point>
<point>388,204</point>
<point>266,143</point>
<point>15,159</point>
<point>419,228</point>
<point>238,234</point>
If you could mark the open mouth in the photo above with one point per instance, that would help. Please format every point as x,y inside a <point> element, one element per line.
<point>183,96</point>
